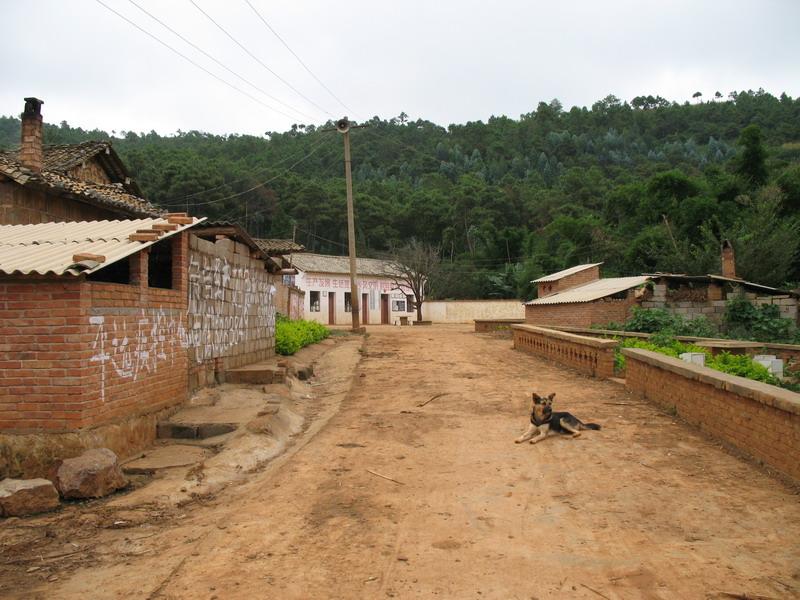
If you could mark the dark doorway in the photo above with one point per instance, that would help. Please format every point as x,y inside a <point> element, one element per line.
<point>384,309</point>
<point>365,309</point>
<point>331,308</point>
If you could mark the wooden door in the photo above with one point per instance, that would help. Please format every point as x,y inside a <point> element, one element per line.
<point>331,308</point>
<point>365,309</point>
<point>384,309</point>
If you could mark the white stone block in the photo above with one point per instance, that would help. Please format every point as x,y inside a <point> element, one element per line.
<point>694,358</point>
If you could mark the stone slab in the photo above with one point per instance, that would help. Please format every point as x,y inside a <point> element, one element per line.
<point>166,457</point>
<point>21,497</point>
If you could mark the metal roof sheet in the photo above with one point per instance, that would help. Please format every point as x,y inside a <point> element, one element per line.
<point>593,290</point>
<point>323,263</point>
<point>565,273</point>
<point>48,248</point>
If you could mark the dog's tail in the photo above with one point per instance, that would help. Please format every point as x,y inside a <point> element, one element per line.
<point>591,426</point>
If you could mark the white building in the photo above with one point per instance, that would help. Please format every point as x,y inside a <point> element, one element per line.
<point>326,282</point>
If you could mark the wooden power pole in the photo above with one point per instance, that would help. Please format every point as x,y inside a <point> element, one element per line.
<point>343,127</point>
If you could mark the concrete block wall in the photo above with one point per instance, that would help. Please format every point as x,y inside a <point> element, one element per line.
<point>590,355</point>
<point>466,311</point>
<point>231,312</point>
<point>760,420</point>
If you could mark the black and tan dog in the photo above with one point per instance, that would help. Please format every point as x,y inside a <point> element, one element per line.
<point>544,420</point>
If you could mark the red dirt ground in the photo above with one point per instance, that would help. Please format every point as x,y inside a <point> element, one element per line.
<point>646,508</point>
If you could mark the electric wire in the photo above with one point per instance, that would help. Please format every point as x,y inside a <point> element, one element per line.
<point>263,183</point>
<point>258,60</point>
<point>221,64</point>
<point>185,198</point>
<point>305,66</point>
<point>189,60</point>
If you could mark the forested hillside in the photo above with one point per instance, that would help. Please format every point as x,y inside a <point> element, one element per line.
<point>644,186</point>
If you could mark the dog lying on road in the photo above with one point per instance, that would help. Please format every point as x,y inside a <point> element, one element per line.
<point>544,420</point>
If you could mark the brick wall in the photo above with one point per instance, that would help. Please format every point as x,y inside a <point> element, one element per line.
<point>289,300</point>
<point>576,279</point>
<point>231,320</point>
<point>491,325</point>
<point>79,353</point>
<point>590,355</point>
<point>760,420</point>
<point>21,205</point>
<point>581,314</point>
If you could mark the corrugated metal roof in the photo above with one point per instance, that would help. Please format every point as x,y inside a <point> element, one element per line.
<point>48,248</point>
<point>323,263</point>
<point>592,291</point>
<point>565,273</point>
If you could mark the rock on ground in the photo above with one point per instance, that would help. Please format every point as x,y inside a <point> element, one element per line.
<point>20,497</point>
<point>93,474</point>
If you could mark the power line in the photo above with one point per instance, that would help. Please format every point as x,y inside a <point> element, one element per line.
<point>263,183</point>
<point>186,58</point>
<point>232,183</point>
<point>258,60</point>
<point>231,71</point>
<point>310,72</point>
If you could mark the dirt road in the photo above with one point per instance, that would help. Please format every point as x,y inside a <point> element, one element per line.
<point>645,508</point>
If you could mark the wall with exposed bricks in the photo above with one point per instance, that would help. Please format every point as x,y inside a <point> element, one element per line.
<point>760,420</point>
<point>581,314</point>
<point>231,315</point>
<point>21,206</point>
<point>590,355</point>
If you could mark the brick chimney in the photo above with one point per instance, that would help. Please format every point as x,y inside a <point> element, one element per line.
<point>30,152</point>
<point>728,260</point>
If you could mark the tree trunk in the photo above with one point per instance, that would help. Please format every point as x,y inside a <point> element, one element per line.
<point>419,310</point>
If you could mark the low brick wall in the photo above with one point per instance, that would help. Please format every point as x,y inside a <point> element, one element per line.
<point>760,420</point>
<point>493,325</point>
<point>590,355</point>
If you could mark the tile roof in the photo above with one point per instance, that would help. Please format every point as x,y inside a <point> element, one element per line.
<point>275,247</point>
<point>49,248</point>
<point>565,273</point>
<point>121,197</point>
<point>323,263</point>
<point>592,291</point>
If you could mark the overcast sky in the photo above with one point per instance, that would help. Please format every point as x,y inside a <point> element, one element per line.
<point>447,61</point>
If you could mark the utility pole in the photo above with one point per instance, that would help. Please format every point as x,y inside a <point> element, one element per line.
<point>343,127</point>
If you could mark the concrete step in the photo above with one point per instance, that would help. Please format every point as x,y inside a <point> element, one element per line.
<point>257,373</point>
<point>192,431</point>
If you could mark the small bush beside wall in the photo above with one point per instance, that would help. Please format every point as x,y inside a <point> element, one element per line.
<point>290,335</point>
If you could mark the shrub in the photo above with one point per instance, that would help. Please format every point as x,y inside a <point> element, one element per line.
<point>745,321</point>
<point>741,365</point>
<point>290,336</point>
<point>654,320</point>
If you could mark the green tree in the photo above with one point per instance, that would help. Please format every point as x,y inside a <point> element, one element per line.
<point>752,159</point>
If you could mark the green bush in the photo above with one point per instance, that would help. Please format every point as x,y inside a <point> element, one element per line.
<point>741,365</point>
<point>745,321</point>
<point>654,320</point>
<point>290,335</point>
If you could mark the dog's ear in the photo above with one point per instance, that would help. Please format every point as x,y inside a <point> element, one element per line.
<point>551,396</point>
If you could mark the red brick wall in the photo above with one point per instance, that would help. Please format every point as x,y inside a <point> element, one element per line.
<point>77,354</point>
<point>43,355</point>
<point>760,420</point>
<point>576,279</point>
<point>21,206</point>
<point>589,355</point>
<point>580,314</point>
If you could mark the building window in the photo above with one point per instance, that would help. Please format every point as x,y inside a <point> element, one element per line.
<point>410,303</point>
<point>348,305</point>
<point>313,299</point>
<point>398,306</point>
<point>117,272</point>
<point>159,265</point>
